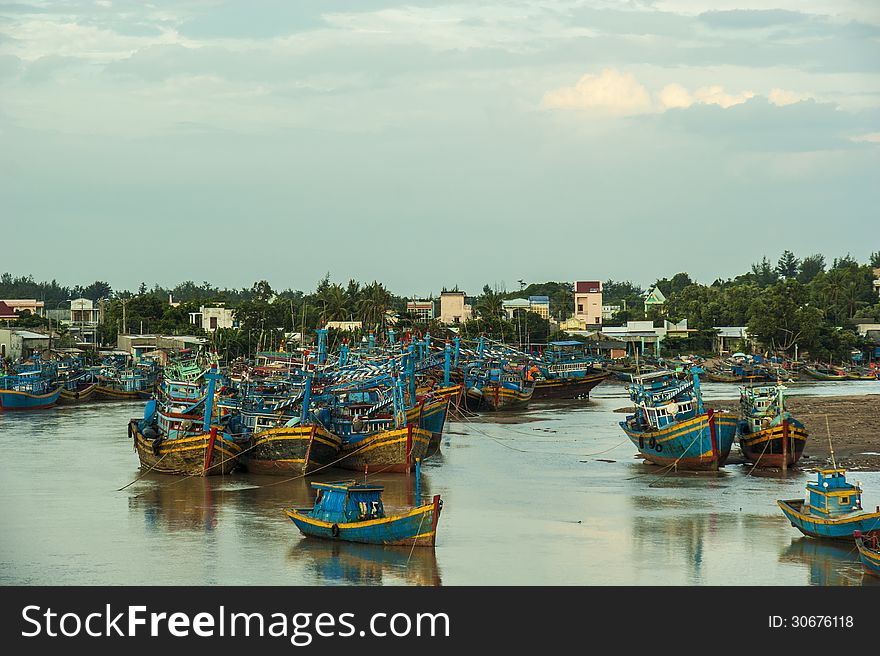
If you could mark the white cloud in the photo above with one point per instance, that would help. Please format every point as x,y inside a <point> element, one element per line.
<point>610,92</point>
<point>674,95</point>
<point>782,97</point>
<point>871,137</point>
<point>716,95</point>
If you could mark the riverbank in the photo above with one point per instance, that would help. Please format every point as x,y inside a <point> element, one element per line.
<point>854,423</point>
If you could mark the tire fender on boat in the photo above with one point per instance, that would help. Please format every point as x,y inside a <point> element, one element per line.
<point>334,530</point>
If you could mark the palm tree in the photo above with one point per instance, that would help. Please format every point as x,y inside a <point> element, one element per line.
<point>374,302</point>
<point>334,304</point>
<point>490,304</point>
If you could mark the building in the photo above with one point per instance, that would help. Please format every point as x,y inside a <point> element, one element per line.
<point>212,318</point>
<point>588,302</point>
<point>512,305</point>
<point>139,345</point>
<point>573,324</point>
<point>423,310</point>
<point>20,305</point>
<point>540,305</point>
<point>7,313</point>
<point>84,319</point>
<point>877,280</point>
<point>454,308</point>
<point>729,339</point>
<point>608,311</point>
<point>640,336</point>
<point>654,298</point>
<point>20,344</point>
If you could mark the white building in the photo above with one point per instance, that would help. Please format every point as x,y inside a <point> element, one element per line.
<point>212,318</point>
<point>454,308</point>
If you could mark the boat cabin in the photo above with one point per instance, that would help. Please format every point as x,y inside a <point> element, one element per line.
<point>664,415</point>
<point>343,503</point>
<point>831,494</point>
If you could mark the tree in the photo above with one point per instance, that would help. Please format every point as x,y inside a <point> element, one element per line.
<point>874,259</point>
<point>764,273</point>
<point>845,262</point>
<point>810,267</point>
<point>787,266</point>
<point>781,317</point>
<point>489,305</point>
<point>678,282</point>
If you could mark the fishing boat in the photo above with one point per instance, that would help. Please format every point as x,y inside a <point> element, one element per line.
<point>283,442</point>
<point>824,373</point>
<point>565,371</point>
<point>671,427</point>
<point>869,551</point>
<point>77,387</point>
<point>497,387</point>
<point>125,385</point>
<point>832,508</point>
<point>181,439</point>
<point>354,513</point>
<point>29,390</point>
<point>768,435</point>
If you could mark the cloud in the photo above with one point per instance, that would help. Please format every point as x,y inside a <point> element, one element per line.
<point>782,97</point>
<point>747,19</point>
<point>621,94</point>
<point>871,137</point>
<point>609,92</point>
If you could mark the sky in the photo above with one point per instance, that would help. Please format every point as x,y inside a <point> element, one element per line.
<point>429,144</point>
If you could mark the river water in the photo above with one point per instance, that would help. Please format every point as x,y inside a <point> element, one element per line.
<point>549,496</point>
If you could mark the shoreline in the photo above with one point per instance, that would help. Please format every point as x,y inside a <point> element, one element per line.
<point>854,423</point>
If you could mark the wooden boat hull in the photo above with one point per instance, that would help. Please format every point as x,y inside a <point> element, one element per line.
<point>689,444</point>
<point>495,398</point>
<point>417,527</point>
<point>819,375</point>
<point>15,400</point>
<point>870,557</point>
<point>186,455</point>
<point>393,450</point>
<point>768,447</point>
<point>296,449</point>
<point>111,394</point>
<point>70,397</point>
<point>833,528</point>
<point>722,378</point>
<point>568,388</point>
<point>431,416</point>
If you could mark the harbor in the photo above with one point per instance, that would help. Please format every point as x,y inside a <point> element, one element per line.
<point>548,495</point>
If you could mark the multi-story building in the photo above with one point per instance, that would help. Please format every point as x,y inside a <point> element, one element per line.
<point>540,305</point>
<point>454,308</point>
<point>20,305</point>
<point>424,310</point>
<point>510,306</point>
<point>588,302</point>
<point>212,318</point>
<point>84,321</point>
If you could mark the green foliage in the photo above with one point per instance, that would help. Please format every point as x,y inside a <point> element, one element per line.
<point>874,259</point>
<point>788,265</point>
<point>811,266</point>
<point>674,285</point>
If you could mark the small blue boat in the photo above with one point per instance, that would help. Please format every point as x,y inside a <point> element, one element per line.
<point>833,508</point>
<point>869,551</point>
<point>354,513</point>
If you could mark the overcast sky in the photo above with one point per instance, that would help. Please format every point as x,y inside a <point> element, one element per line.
<point>429,143</point>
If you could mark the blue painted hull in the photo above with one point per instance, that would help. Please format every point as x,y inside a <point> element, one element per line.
<point>833,528</point>
<point>870,558</point>
<point>686,444</point>
<point>416,527</point>
<point>14,400</point>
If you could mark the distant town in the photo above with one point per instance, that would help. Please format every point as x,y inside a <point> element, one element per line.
<point>829,311</point>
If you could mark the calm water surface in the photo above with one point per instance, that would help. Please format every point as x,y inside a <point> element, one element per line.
<point>554,496</point>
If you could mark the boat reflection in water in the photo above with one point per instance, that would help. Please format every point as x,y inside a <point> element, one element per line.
<point>350,563</point>
<point>828,563</point>
<point>177,504</point>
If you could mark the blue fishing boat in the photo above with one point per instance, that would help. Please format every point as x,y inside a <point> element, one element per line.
<point>832,509</point>
<point>768,434</point>
<point>29,390</point>
<point>565,371</point>
<point>354,513</point>
<point>869,551</point>
<point>671,427</point>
